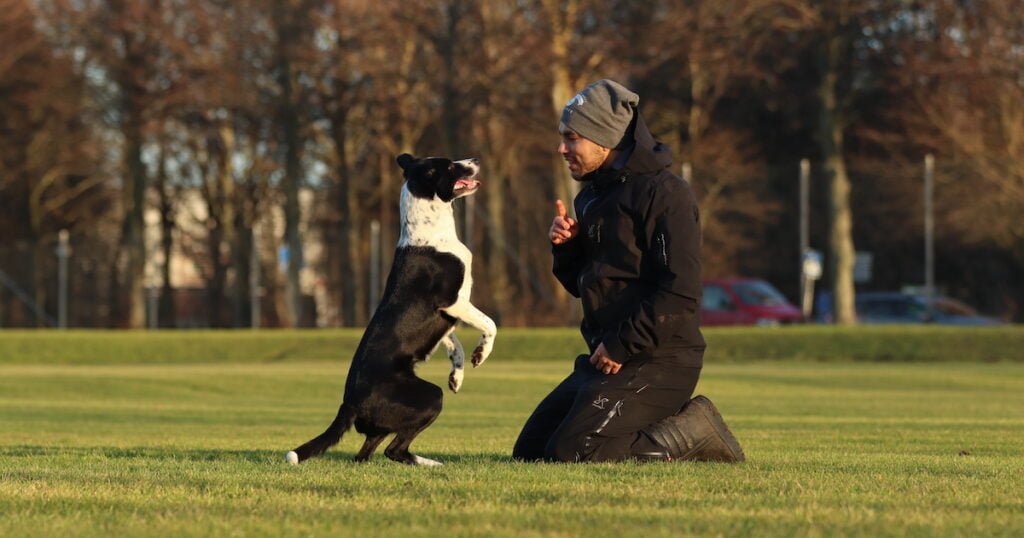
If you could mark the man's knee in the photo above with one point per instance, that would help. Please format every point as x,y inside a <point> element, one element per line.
<point>567,448</point>
<point>528,449</point>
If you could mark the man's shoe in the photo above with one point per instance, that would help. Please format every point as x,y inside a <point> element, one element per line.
<point>697,433</point>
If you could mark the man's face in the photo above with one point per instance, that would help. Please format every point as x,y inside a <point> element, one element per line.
<point>582,155</point>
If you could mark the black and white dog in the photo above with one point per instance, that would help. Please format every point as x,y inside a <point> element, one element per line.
<point>426,294</point>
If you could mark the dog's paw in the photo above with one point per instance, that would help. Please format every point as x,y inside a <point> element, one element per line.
<point>425,462</point>
<point>455,380</point>
<point>479,356</point>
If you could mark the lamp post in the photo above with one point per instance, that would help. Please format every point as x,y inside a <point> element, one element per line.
<point>63,253</point>
<point>929,228</point>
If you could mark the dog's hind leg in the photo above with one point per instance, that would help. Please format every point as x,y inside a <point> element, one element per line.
<point>398,450</point>
<point>465,311</point>
<point>458,358</point>
<point>426,399</point>
<point>370,445</point>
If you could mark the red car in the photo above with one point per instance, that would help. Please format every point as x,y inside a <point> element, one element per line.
<point>745,301</point>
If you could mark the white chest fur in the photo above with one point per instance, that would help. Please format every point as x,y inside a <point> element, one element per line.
<point>431,223</point>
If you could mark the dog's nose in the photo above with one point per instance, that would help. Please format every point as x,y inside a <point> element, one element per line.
<point>475,160</point>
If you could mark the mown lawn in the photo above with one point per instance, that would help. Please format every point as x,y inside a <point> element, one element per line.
<point>836,448</point>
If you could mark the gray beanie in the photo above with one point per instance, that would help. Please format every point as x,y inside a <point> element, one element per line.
<point>601,112</point>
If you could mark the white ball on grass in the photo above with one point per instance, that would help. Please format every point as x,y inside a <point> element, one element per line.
<point>292,458</point>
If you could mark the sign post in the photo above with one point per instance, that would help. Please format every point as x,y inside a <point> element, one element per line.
<point>810,269</point>
<point>63,253</point>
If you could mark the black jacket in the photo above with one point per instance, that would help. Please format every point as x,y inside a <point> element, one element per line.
<point>635,263</point>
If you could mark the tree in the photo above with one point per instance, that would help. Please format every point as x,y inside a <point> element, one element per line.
<point>842,41</point>
<point>49,170</point>
<point>970,94</point>
<point>291,32</point>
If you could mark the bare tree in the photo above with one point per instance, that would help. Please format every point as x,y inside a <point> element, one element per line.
<point>970,93</point>
<point>49,166</point>
<point>291,31</point>
<point>840,38</point>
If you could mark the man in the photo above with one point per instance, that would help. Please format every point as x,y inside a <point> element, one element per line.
<point>633,258</point>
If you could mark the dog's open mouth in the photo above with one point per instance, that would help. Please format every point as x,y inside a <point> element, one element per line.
<point>466,185</point>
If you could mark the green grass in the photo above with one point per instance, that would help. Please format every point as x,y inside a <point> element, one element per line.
<point>837,448</point>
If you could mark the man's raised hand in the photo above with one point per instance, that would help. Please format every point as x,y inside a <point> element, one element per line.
<point>563,228</point>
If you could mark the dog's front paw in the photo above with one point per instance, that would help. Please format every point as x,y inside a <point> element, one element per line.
<point>479,356</point>
<point>482,351</point>
<point>455,380</point>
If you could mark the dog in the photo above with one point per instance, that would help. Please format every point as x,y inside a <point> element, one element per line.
<point>427,292</point>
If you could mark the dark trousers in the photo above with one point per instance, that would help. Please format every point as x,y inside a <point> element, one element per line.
<point>594,417</point>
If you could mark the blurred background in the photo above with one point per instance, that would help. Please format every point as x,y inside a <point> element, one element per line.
<point>210,163</point>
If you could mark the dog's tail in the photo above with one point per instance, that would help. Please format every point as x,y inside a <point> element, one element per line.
<point>319,444</point>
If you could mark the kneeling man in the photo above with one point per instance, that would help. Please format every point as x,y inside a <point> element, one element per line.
<point>632,256</point>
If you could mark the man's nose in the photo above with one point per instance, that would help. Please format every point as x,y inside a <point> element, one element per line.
<point>562,150</point>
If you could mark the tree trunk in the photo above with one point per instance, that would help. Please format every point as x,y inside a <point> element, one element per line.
<point>561,85</point>
<point>566,187</point>
<point>353,294</point>
<point>390,227</point>
<point>698,116</point>
<point>39,255</point>
<point>221,218</point>
<point>166,308</point>
<point>133,226</point>
<point>289,117</point>
<point>496,160</point>
<point>241,256</point>
<point>497,261</point>
<point>830,138</point>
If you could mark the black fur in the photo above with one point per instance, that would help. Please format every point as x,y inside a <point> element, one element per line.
<point>430,176</point>
<point>383,395</point>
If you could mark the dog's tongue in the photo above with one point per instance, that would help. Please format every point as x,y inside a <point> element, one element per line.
<point>467,183</point>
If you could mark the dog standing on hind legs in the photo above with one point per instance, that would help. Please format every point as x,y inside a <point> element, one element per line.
<point>427,292</point>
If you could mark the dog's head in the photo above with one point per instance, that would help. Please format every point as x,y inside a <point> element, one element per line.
<point>437,176</point>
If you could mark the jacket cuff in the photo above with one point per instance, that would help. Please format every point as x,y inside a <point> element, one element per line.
<point>613,345</point>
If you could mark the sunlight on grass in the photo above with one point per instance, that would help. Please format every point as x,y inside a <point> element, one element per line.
<point>196,449</point>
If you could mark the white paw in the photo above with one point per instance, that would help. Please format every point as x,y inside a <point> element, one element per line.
<point>482,351</point>
<point>427,462</point>
<point>292,458</point>
<point>455,379</point>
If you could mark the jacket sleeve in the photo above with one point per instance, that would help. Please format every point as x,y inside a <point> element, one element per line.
<point>569,258</point>
<point>672,228</point>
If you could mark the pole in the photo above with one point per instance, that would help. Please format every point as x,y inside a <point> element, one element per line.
<point>153,306</point>
<point>929,227</point>
<point>806,284</point>
<point>374,268</point>
<point>805,196</point>
<point>255,312</point>
<point>63,252</point>
<point>687,172</point>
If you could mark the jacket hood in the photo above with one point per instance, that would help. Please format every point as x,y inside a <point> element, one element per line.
<point>649,156</point>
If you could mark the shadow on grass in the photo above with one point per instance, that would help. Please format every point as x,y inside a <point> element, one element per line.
<point>152,453</point>
<point>214,455</point>
<point>443,457</point>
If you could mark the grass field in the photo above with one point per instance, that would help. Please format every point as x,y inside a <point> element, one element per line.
<point>835,448</point>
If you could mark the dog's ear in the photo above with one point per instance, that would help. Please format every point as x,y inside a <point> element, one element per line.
<point>404,160</point>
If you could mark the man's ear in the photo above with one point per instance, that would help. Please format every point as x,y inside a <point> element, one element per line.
<point>404,160</point>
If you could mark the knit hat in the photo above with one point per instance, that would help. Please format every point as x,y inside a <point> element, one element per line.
<point>601,112</point>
